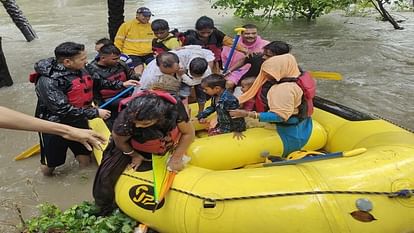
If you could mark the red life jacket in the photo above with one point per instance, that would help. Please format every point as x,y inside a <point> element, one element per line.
<point>108,93</point>
<point>81,91</point>
<point>261,104</point>
<point>159,145</point>
<point>81,94</point>
<point>33,77</point>
<point>308,86</point>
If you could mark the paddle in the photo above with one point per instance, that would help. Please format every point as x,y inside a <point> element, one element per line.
<point>96,124</point>
<point>233,47</point>
<point>317,157</point>
<point>326,75</point>
<point>120,94</point>
<point>29,152</point>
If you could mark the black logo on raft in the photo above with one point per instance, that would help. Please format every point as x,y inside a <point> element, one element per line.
<point>143,196</point>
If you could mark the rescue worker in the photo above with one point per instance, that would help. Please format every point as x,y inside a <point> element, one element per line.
<point>105,41</point>
<point>134,38</point>
<point>65,94</point>
<point>109,67</point>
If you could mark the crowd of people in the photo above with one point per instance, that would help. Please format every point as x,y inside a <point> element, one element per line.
<point>167,68</point>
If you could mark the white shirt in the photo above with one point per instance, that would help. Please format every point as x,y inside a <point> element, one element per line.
<point>150,73</point>
<point>185,55</point>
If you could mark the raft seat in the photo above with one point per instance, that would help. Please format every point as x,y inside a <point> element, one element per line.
<point>223,152</point>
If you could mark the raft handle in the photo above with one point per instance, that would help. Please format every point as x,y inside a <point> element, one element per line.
<point>209,204</point>
<point>403,193</point>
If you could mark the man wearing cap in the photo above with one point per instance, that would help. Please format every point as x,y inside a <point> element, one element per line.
<point>134,38</point>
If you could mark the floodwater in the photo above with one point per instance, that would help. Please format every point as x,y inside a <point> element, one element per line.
<point>376,61</point>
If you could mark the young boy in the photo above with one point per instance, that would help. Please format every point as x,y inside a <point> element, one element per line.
<point>64,91</point>
<point>209,37</point>
<point>165,40</point>
<point>110,76</point>
<point>222,101</point>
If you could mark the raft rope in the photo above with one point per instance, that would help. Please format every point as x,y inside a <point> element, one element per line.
<point>210,202</point>
<point>392,122</point>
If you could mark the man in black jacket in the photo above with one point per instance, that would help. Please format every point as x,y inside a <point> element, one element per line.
<point>65,93</point>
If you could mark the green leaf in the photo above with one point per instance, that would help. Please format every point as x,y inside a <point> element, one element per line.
<point>126,228</point>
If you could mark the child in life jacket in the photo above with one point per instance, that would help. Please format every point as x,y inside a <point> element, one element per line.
<point>65,93</point>
<point>222,102</point>
<point>165,40</point>
<point>117,73</point>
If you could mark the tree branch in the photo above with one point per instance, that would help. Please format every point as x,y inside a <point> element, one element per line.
<point>269,16</point>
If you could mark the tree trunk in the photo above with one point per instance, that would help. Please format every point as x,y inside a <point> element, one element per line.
<point>384,13</point>
<point>115,16</point>
<point>5,78</point>
<point>18,18</point>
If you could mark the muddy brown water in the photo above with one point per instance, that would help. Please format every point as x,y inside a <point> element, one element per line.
<point>377,64</point>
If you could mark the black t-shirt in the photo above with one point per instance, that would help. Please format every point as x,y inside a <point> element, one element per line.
<point>123,126</point>
<point>216,38</point>
<point>256,61</point>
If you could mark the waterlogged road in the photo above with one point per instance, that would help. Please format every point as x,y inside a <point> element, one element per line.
<point>376,61</point>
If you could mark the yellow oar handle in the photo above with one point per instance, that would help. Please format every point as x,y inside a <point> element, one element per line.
<point>326,75</point>
<point>29,152</point>
<point>239,30</point>
<point>355,152</point>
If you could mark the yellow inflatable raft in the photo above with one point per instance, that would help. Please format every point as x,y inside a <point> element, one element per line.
<point>228,186</point>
